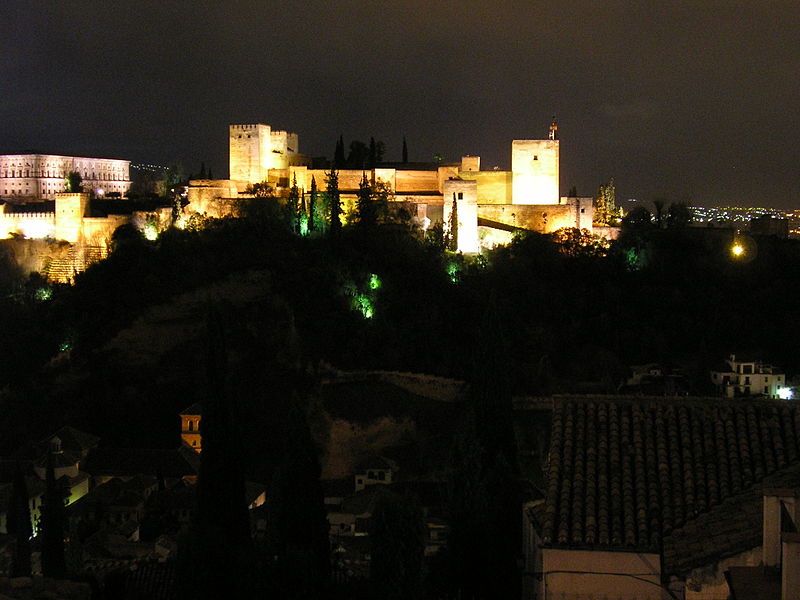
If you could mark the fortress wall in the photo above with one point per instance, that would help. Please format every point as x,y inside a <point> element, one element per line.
<point>30,225</point>
<point>494,187</point>
<point>203,194</point>
<point>417,181</point>
<point>541,218</point>
<point>97,231</point>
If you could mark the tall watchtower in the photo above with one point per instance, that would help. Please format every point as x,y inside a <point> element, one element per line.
<point>250,149</point>
<point>534,169</point>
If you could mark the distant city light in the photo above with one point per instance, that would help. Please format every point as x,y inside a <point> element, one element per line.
<point>737,250</point>
<point>785,393</point>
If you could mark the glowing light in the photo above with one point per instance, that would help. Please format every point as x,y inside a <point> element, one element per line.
<point>43,294</point>
<point>374,281</point>
<point>785,393</point>
<point>453,271</point>
<point>364,305</point>
<point>737,250</point>
<point>150,231</point>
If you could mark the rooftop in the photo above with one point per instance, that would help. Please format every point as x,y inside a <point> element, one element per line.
<point>624,473</point>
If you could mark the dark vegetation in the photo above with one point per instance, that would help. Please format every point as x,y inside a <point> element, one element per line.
<point>240,314</point>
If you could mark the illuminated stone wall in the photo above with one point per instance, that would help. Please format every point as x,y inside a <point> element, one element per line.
<point>535,165</point>
<point>29,176</point>
<point>465,194</point>
<point>254,149</point>
<point>541,218</point>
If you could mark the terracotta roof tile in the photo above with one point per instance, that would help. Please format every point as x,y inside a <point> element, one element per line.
<point>626,472</point>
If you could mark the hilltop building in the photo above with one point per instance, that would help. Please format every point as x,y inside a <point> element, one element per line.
<point>749,377</point>
<point>41,176</point>
<point>491,205</point>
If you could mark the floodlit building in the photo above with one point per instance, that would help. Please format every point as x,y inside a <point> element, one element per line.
<point>745,377</point>
<point>42,176</point>
<point>490,205</point>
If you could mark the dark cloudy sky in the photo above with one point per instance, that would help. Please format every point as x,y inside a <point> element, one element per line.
<point>694,101</point>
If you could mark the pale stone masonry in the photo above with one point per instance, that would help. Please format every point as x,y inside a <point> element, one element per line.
<point>42,176</point>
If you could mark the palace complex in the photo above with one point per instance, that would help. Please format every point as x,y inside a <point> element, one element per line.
<point>491,205</point>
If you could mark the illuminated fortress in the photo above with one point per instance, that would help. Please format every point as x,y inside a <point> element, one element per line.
<point>491,205</point>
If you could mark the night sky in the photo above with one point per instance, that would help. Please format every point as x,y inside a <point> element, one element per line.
<point>688,101</point>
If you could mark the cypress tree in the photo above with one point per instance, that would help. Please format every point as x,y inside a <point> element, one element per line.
<point>295,205</point>
<point>452,233</point>
<point>298,526</point>
<point>372,159</point>
<point>312,204</point>
<point>338,155</point>
<point>397,547</point>
<point>19,525</point>
<point>405,151</point>
<point>365,204</point>
<point>53,561</point>
<point>334,201</point>
<point>216,559</point>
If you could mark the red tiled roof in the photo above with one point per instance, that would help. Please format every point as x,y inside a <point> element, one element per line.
<point>625,472</point>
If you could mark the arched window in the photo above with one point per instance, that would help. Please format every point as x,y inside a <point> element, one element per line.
<point>191,425</point>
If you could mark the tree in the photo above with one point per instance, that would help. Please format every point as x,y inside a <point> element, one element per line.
<point>452,227</point>
<point>296,206</point>
<point>338,154</point>
<point>580,242</point>
<point>358,156</point>
<point>679,215</point>
<point>376,150</point>
<point>366,216</point>
<point>298,526</point>
<point>397,547</point>
<point>52,519</point>
<point>606,211</point>
<point>405,151</point>
<point>218,539</point>
<point>334,201</point>
<point>573,192</point>
<point>312,205</point>
<point>73,182</point>
<point>19,525</point>
<point>260,190</point>
<point>658,204</point>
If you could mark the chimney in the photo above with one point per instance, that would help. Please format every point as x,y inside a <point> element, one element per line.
<point>780,516</point>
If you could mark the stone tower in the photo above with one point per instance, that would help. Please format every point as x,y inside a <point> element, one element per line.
<point>534,168</point>
<point>256,149</point>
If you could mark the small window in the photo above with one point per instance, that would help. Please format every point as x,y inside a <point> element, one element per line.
<point>460,195</point>
<point>583,210</point>
<point>191,425</point>
<point>766,390</point>
<point>535,157</point>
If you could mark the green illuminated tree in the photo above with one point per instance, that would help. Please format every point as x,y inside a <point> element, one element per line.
<point>73,182</point>
<point>19,525</point>
<point>334,201</point>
